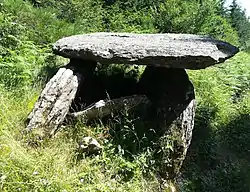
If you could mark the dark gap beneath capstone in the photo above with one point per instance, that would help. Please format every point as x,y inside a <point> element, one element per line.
<point>169,91</point>
<point>102,82</point>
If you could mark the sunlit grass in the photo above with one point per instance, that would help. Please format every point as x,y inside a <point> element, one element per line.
<point>52,165</point>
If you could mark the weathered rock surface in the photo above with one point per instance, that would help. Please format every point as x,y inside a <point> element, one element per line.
<point>89,146</point>
<point>56,98</point>
<point>103,108</point>
<point>167,50</point>
<point>54,102</point>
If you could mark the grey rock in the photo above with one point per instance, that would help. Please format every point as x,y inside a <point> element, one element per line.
<point>167,50</point>
<point>54,102</point>
<point>89,145</point>
<point>103,108</point>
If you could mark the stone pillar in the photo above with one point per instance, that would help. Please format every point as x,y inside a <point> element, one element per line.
<point>173,109</point>
<point>57,96</point>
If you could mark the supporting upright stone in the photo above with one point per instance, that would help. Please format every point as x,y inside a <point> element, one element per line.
<point>173,109</point>
<point>56,98</point>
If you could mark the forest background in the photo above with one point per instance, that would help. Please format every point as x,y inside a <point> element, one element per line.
<point>219,156</point>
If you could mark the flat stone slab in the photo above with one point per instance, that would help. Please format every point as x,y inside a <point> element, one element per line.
<point>165,50</point>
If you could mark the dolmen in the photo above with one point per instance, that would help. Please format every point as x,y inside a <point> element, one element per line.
<point>164,85</point>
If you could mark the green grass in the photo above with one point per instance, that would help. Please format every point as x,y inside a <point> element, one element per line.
<point>54,165</point>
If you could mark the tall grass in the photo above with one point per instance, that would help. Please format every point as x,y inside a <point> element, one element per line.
<point>54,165</point>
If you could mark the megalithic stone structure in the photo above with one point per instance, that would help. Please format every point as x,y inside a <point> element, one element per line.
<point>164,85</point>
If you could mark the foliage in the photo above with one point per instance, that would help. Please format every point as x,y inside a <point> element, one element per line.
<point>240,22</point>
<point>176,16</point>
<point>10,32</point>
<point>21,67</point>
<point>50,23</point>
<point>127,21</point>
